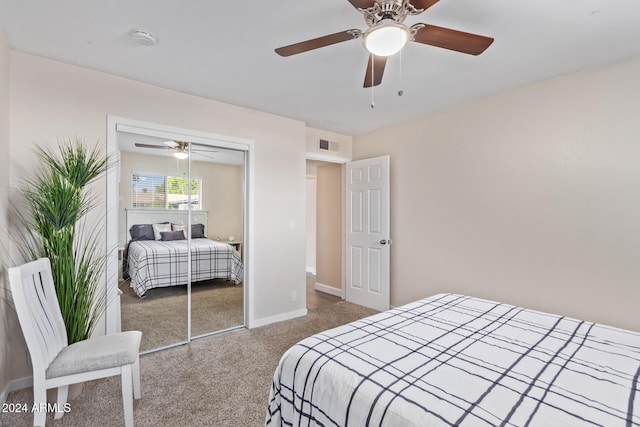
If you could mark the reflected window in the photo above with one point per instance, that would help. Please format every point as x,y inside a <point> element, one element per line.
<point>152,191</point>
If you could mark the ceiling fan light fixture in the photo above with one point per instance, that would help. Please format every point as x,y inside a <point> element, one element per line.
<point>181,155</point>
<point>386,38</point>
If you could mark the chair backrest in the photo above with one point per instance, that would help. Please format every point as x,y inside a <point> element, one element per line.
<point>36,303</point>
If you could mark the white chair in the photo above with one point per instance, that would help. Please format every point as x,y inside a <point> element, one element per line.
<point>57,364</point>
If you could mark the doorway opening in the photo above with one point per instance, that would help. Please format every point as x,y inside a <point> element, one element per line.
<point>324,218</point>
<point>361,236</point>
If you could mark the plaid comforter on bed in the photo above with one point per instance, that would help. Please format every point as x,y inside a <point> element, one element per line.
<point>452,360</point>
<point>154,263</point>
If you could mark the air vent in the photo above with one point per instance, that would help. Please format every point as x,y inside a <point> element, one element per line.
<point>329,145</point>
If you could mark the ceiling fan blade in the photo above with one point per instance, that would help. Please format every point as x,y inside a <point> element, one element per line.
<point>423,4</point>
<point>200,153</point>
<point>362,4</point>
<point>205,147</point>
<point>377,63</point>
<point>446,38</point>
<point>152,146</point>
<point>193,150</point>
<point>319,42</point>
<point>171,144</point>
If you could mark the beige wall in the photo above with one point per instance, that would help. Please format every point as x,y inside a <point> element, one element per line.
<point>222,190</point>
<point>311,197</point>
<point>329,225</point>
<point>50,99</point>
<point>530,197</point>
<point>6,316</point>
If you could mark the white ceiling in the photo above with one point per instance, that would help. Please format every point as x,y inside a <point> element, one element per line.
<point>223,50</point>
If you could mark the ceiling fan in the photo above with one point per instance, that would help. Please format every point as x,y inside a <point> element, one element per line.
<point>387,34</point>
<point>180,149</point>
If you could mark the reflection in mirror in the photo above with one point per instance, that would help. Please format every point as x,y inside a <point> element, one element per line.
<point>154,297</point>
<point>164,186</point>
<point>218,304</point>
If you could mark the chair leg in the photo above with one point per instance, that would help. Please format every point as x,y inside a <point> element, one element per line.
<point>39,404</point>
<point>127,394</point>
<point>63,392</point>
<point>135,372</point>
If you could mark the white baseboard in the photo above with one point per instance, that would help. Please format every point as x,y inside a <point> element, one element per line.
<point>328,289</point>
<point>311,270</point>
<point>256,323</point>
<point>14,385</point>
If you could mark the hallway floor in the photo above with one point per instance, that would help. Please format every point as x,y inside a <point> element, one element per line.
<point>317,299</point>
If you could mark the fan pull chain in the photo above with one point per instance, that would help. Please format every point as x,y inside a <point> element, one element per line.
<point>401,92</point>
<point>373,105</point>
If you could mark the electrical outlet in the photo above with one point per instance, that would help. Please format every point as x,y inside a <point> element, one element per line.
<point>294,295</point>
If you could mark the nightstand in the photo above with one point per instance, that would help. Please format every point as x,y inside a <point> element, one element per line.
<point>237,244</point>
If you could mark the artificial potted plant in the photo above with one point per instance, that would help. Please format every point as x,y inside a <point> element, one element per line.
<point>57,201</point>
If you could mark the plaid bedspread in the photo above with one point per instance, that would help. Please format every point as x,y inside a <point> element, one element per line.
<point>453,360</point>
<point>154,263</point>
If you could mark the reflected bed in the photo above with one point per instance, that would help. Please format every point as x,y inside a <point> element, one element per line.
<point>154,263</point>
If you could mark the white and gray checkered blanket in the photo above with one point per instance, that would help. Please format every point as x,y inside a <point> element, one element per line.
<point>453,360</point>
<point>154,263</point>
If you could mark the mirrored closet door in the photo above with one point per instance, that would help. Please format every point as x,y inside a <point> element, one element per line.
<point>181,227</point>
<point>217,291</point>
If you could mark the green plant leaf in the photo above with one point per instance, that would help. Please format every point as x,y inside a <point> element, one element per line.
<point>58,199</point>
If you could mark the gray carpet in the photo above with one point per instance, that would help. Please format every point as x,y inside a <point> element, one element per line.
<point>221,380</point>
<point>162,314</point>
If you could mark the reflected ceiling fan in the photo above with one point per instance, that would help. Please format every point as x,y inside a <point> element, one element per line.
<point>180,149</point>
<point>387,34</point>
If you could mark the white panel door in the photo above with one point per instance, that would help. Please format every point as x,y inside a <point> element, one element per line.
<point>367,232</point>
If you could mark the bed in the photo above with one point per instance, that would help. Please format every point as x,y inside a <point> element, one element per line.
<point>153,259</point>
<point>153,263</point>
<point>452,360</point>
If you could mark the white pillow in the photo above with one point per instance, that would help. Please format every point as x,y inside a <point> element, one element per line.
<point>159,228</point>
<point>176,227</point>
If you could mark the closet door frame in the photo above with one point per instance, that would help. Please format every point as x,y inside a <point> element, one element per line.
<point>111,316</point>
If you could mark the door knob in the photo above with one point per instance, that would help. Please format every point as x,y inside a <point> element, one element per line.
<point>383,242</point>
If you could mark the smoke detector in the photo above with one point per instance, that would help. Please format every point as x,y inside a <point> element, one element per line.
<point>143,37</point>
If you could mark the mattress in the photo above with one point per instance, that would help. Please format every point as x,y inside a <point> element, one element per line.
<point>454,360</point>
